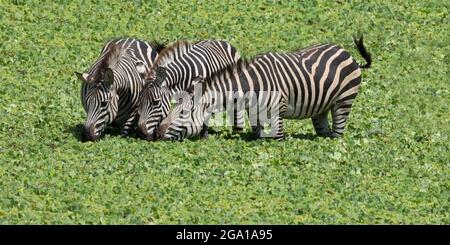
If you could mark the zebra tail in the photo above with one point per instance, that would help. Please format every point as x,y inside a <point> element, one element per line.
<point>362,50</point>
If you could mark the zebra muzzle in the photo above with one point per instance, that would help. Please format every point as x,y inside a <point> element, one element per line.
<point>89,134</point>
<point>162,131</point>
<point>144,134</point>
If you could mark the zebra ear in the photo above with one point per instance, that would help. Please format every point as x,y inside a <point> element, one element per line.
<point>196,82</point>
<point>191,90</point>
<point>160,75</point>
<point>108,76</point>
<point>160,71</point>
<point>82,77</point>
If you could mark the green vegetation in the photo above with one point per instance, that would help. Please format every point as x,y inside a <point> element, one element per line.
<point>391,166</point>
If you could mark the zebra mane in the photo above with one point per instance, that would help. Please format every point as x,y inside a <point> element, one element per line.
<point>171,53</point>
<point>109,59</point>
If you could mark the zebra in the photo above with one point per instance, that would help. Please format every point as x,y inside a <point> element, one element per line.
<point>173,71</point>
<point>110,88</point>
<point>305,84</point>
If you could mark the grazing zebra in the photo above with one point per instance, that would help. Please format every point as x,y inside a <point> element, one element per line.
<point>110,89</point>
<point>304,84</point>
<point>173,71</point>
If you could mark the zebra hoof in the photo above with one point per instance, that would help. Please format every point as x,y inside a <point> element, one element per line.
<point>334,135</point>
<point>331,135</point>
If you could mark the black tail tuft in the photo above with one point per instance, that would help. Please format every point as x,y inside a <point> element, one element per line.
<point>362,50</point>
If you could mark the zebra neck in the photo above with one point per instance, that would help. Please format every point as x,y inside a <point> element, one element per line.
<point>180,75</point>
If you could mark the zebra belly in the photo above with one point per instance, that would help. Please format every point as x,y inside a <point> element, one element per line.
<point>293,112</point>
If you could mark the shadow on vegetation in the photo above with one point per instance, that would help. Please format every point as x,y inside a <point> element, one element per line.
<point>308,136</point>
<point>249,136</point>
<point>77,131</point>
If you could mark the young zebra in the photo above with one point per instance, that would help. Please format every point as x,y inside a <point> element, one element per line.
<point>173,72</point>
<point>111,87</point>
<point>304,84</point>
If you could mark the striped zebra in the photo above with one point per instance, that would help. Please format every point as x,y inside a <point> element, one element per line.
<point>305,84</point>
<point>173,71</point>
<point>110,89</point>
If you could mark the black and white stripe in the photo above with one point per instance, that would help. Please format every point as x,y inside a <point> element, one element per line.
<point>173,72</point>
<point>305,84</point>
<point>111,86</point>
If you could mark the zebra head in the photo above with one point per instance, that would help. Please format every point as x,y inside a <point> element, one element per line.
<point>100,101</point>
<point>188,116</point>
<point>99,94</point>
<point>154,103</point>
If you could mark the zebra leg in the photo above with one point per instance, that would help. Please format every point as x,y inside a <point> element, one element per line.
<point>340,112</point>
<point>320,123</point>
<point>204,133</point>
<point>257,131</point>
<point>255,124</point>
<point>238,121</point>
<point>276,128</point>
